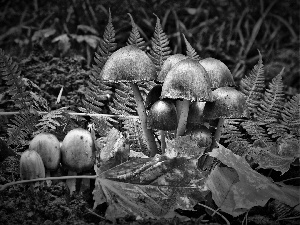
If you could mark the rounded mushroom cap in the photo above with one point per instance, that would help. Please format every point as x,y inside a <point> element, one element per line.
<point>128,64</point>
<point>48,146</point>
<point>229,103</point>
<point>78,150</point>
<point>187,80</point>
<point>195,115</point>
<point>153,96</point>
<point>162,115</point>
<point>168,64</point>
<point>218,72</point>
<point>31,165</point>
<point>202,135</point>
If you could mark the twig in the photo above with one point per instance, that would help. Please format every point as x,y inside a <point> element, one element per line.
<point>4,186</point>
<point>75,114</point>
<point>224,218</point>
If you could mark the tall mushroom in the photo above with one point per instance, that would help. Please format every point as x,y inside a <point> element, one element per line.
<point>186,82</point>
<point>132,65</point>
<point>163,117</point>
<point>229,103</point>
<point>218,73</point>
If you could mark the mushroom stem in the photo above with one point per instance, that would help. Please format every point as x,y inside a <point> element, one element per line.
<point>163,141</point>
<point>217,134</point>
<point>183,115</point>
<point>148,133</point>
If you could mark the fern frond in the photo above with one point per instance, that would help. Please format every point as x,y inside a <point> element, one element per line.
<point>291,116</point>
<point>233,135</point>
<point>135,37</point>
<point>10,72</point>
<point>97,90</point>
<point>160,50</point>
<point>253,85</point>
<point>106,47</point>
<point>190,51</point>
<point>256,130</point>
<point>273,102</point>
<point>133,132</point>
<point>22,127</point>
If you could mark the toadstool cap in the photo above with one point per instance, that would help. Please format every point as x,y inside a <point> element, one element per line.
<point>162,115</point>
<point>153,96</point>
<point>128,64</point>
<point>229,103</point>
<point>168,65</point>
<point>195,116</point>
<point>187,80</point>
<point>218,72</point>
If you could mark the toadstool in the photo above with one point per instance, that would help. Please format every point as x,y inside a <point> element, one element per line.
<point>31,165</point>
<point>229,103</point>
<point>48,147</point>
<point>163,117</point>
<point>186,82</point>
<point>77,153</point>
<point>132,65</point>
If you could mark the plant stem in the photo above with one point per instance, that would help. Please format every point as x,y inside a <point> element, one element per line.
<point>4,186</point>
<point>183,115</point>
<point>163,141</point>
<point>148,133</point>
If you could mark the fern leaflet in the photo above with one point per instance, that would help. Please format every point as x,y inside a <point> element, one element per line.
<point>190,51</point>
<point>253,85</point>
<point>135,37</point>
<point>273,102</point>
<point>160,50</point>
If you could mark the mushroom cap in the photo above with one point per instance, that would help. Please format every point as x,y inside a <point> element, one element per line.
<point>229,103</point>
<point>128,64</point>
<point>153,96</point>
<point>162,115</point>
<point>78,150</point>
<point>202,134</point>
<point>168,64</point>
<point>218,72</point>
<point>195,115</point>
<point>31,165</point>
<point>48,146</point>
<point>187,80</point>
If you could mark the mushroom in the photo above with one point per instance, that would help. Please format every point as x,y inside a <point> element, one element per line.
<point>31,166</point>
<point>218,73</point>
<point>153,96</point>
<point>229,103</point>
<point>77,153</point>
<point>130,64</point>
<point>186,82</point>
<point>168,65</point>
<point>48,147</point>
<point>195,116</point>
<point>163,117</point>
<point>202,134</point>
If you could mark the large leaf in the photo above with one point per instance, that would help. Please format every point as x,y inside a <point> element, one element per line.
<point>150,187</point>
<point>251,189</point>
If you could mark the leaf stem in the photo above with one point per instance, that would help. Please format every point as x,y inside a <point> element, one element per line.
<point>4,186</point>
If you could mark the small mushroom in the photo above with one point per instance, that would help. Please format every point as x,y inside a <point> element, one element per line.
<point>218,73</point>
<point>132,65</point>
<point>163,117</point>
<point>186,82</point>
<point>168,65</point>
<point>77,153</point>
<point>202,134</point>
<point>195,117</point>
<point>229,103</point>
<point>31,165</point>
<point>153,96</point>
<point>48,147</point>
